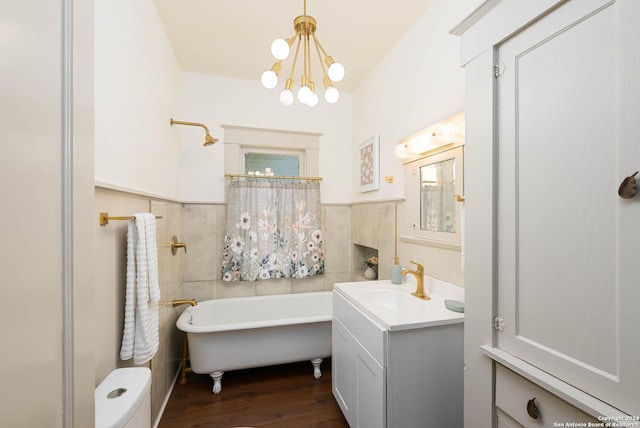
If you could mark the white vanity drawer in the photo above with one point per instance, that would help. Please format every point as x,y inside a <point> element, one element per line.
<point>370,335</point>
<point>513,393</point>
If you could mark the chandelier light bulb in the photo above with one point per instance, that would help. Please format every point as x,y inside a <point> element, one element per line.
<point>312,100</point>
<point>304,93</point>
<point>331,95</point>
<point>286,97</point>
<point>336,72</point>
<point>280,49</point>
<point>269,79</point>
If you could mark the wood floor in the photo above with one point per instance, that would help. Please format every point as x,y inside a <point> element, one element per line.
<point>285,396</point>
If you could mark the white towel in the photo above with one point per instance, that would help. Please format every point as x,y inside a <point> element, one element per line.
<point>140,337</point>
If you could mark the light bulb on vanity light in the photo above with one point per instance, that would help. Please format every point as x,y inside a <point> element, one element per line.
<point>401,151</point>
<point>421,144</point>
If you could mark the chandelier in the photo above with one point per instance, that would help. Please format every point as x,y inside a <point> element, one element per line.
<point>333,72</point>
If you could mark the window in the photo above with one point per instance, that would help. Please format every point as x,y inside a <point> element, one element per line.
<point>275,163</point>
<point>242,145</point>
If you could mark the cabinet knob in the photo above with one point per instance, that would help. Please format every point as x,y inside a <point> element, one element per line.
<point>532,409</point>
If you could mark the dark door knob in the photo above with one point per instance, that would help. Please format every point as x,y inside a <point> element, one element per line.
<point>532,409</point>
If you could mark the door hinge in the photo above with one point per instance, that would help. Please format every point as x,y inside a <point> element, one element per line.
<point>498,69</point>
<point>498,324</point>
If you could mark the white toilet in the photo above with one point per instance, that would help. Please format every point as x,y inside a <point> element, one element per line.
<point>123,399</point>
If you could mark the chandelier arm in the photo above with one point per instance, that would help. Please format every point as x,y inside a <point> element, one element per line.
<point>291,39</point>
<point>295,59</point>
<point>306,57</point>
<point>324,71</point>
<point>309,61</point>
<point>320,46</point>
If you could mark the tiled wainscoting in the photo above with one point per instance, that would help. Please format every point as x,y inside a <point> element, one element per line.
<point>204,227</point>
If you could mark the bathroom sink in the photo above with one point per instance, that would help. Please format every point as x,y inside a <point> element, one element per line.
<point>387,297</point>
<point>395,308</point>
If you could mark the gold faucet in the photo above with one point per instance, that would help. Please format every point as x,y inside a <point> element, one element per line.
<point>191,302</point>
<point>419,275</point>
<point>185,367</point>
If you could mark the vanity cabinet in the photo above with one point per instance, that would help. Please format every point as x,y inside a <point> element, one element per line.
<point>405,378</point>
<point>552,131</point>
<point>359,380</point>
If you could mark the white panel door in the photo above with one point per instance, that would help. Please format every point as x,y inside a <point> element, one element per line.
<point>568,257</point>
<point>343,365</point>
<point>371,389</point>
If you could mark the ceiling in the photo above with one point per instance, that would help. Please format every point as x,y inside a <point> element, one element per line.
<point>233,37</point>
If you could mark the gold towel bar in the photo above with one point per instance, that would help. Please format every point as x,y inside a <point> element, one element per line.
<point>275,177</point>
<point>104,218</point>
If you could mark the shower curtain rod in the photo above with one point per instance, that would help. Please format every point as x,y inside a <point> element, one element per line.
<point>275,177</point>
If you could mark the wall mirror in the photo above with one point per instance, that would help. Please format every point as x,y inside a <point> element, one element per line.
<point>432,213</point>
<point>437,204</point>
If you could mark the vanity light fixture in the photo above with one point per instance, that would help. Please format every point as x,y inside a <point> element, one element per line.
<point>416,145</point>
<point>305,31</point>
<point>441,134</point>
<point>208,139</point>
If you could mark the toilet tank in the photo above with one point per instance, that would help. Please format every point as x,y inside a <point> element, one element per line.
<point>123,399</point>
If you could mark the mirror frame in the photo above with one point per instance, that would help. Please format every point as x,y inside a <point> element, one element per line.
<point>410,228</point>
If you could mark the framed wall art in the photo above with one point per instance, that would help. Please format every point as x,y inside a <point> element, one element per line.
<point>369,165</point>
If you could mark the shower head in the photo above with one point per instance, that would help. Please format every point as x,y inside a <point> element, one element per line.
<point>208,139</point>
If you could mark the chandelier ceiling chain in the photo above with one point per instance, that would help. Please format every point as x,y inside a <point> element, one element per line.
<point>305,30</point>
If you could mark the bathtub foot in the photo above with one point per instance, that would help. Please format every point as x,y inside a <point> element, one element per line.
<point>217,381</point>
<point>316,368</point>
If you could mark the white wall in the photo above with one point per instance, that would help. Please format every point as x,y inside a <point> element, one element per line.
<point>215,100</point>
<point>31,173</point>
<point>419,83</point>
<point>137,91</point>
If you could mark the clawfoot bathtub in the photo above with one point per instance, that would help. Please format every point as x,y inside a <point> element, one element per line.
<point>247,332</point>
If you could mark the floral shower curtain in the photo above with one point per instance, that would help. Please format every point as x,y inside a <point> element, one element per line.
<point>273,231</point>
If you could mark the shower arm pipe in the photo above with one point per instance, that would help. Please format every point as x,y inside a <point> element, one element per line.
<point>208,139</point>
<point>181,122</point>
